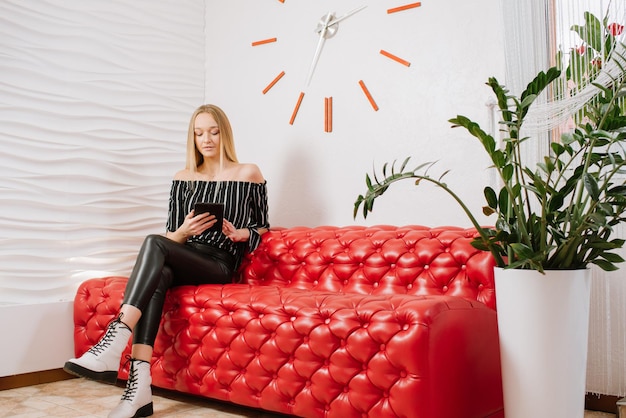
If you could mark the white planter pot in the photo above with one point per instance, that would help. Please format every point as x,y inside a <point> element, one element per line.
<point>543,322</point>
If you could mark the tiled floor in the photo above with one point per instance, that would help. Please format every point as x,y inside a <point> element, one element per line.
<point>84,398</point>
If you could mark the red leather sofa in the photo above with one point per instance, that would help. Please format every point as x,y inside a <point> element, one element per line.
<point>341,322</point>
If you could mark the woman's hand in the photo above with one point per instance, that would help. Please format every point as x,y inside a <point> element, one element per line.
<point>192,225</point>
<point>234,234</point>
<point>195,225</point>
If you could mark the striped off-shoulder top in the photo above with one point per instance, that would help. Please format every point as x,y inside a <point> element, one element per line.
<point>245,206</point>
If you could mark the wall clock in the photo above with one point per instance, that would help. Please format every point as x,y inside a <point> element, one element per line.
<point>323,27</point>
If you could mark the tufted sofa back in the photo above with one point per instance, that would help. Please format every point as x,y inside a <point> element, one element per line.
<point>416,260</point>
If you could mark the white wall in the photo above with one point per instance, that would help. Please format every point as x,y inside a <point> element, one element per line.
<point>94,103</point>
<point>314,177</point>
<point>95,99</point>
<point>35,337</point>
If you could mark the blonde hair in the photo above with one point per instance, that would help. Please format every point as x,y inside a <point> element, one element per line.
<point>227,144</point>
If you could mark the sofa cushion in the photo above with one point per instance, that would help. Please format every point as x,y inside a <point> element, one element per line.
<point>383,259</point>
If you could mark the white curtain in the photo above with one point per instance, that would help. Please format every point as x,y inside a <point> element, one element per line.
<point>526,41</point>
<point>527,51</point>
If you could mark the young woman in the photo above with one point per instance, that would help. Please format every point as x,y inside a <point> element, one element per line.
<point>190,253</point>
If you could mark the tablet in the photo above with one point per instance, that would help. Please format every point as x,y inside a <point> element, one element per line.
<point>216,209</point>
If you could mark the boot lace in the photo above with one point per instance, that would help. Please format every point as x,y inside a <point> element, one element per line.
<point>133,378</point>
<point>108,337</point>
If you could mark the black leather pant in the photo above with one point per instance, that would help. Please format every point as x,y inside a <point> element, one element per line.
<point>163,263</point>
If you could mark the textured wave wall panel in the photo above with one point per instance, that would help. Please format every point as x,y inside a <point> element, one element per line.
<point>95,99</point>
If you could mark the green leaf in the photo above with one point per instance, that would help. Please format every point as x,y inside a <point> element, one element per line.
<point>504,230</point>
<point>617,191</point>
<point>491,197</point>
<point>603,245</point>
<point>516,190</point>
<point>591,185</point>
<point>385,169</point>
<point>613,258</point>
<point>479,245</point>
<point>404,163</point>
<point>503,199</point>
<point>498,159</point>
<point>443,175</point>
<point>528,100</point>
<point>555,202</point>
<point>501,97</point>
<point>604,265</point>
<point>475,130</point>
<point>357,204</point>
<point>507,172</point>
<point>557,148</point>
<point>567,138</point>
<point>540,82</point>
<point>522,250</point>
<point>619,243</point>
<point>597,220</point>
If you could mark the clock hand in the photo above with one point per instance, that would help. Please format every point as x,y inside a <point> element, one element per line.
<point>323,29</point>
<point>327,28</point>
<point>350,13</point>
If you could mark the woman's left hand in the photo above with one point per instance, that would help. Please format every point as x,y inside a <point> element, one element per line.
<point>234,234</point>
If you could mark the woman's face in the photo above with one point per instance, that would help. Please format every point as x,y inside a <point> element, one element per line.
<point>207,135</point>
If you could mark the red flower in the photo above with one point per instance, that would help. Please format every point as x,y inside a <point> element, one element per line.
<point>581,50</point>
<point>615,29</point>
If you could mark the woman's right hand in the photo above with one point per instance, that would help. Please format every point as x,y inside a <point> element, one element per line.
<point>195,225</point>
<point>192,225</point>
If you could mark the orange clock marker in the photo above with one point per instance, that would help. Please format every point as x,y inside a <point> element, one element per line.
<point>368,95</point>
<point>264,41</point>
<point>295,109</point>
<point>274,81</point>
<point>405,7</point>
<point>328,114</point>
<point>395,58</point>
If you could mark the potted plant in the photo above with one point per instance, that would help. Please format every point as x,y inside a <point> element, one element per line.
<point>552,221</point>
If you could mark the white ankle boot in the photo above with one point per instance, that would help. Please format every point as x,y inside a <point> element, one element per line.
<point>137,398</point>
<point>102,361</point>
